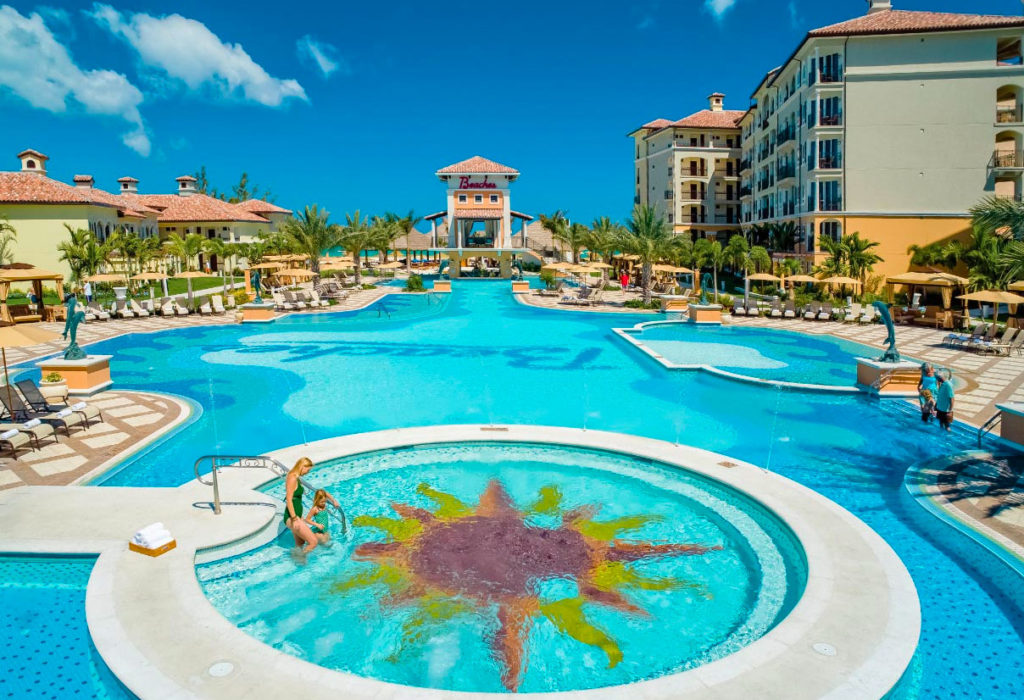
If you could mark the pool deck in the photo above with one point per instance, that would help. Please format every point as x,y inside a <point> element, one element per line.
<point>851,635</point>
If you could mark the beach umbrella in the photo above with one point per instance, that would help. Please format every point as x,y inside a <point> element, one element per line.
<point>1017,286</point>
<point>994,297</point>
<point>188,277</point>
<point>294,273</point>
<point>802,278</point>
<point>20,337</point>
<point>107,277</point>
<point>266,266</point>
<point>599,265</point>
<point>150,277</point>
<point>841,280</point>
<point>763,277</point>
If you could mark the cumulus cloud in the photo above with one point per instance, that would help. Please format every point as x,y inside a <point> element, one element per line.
<point>718,8</point>
<point>188,51</point>
<point>40,70</point>
<point>323,55</point>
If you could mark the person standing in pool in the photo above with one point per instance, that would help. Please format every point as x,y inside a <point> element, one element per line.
<point>293,492</point>
<point>928,383</point>
<point>944,402</point>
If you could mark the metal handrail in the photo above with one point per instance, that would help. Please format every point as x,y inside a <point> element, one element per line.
<point>381,306</point>
<point>218,462</point>
<point>988,426</point>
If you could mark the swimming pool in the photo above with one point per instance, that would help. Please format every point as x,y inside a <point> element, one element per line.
<point>771,354</point>
<point>499,566</point>
<point>47,652</point>
<point>478,356</point>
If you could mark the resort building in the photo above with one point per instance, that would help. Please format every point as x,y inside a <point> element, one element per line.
<point>476,226</point>
<point>892,125</point>
<point>689,169</point>
<point>39,207</point>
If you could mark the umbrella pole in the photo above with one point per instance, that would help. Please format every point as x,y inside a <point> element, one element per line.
<point>7,380</point>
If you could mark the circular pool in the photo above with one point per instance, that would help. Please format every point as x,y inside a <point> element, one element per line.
<point>512,566</point>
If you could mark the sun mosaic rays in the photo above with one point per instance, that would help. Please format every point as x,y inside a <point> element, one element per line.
<point>493,559</point>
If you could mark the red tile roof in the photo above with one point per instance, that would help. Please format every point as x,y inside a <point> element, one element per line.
<point>708,119</point>
<point>124,205</point>
<point>477,164</point>
<point>260,206</point>
<point>33,152</point>
<point>904,21</point>
<point>197,207</point>
<point>34,188</point>
<point>657,124</point>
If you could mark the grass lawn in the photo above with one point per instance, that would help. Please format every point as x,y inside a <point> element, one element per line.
<point>105,293</point>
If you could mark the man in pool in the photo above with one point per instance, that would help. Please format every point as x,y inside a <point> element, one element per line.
<point>944,402</point>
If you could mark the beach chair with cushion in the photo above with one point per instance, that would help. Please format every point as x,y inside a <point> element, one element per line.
<point>990,343</point>
<point>138,310</point>
<point>1004,346</point>
<point>205,309</point>
<point>789,310</point>
<point>296,299</point>
<point>17,409</point>
<point>868,316</point>
<point>825,314</point>
<point>179,309</point>
<point>812,311</point>
<point>852,313</point>
<point>217,304</point>
<point>954,339</point>
<point>122,310</point>
<point>979,341</point>
<point>35,429</point>
<point>592,299</point>
<point>13,440</point>
<point>314,300</point>
<point>737,308</point>
<point>753,309</point>
<point>280,303</point>
<point>98,312</point>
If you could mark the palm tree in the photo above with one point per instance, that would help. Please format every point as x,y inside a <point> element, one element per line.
<point>859,257</point>
<point>983,258</point>
<point>737,252</point>
<point>7,237</point>
<point>998,214</point>
<point>355,237</point>
<point>708,253</point>
<point>782,238</point>
<point>835,263</point>
<point>184,248</point>
<point>558,226</point>
<point>759,234</point>
<point>789,266</point>
<point>935,254</point>
<point>649,237</point>
<point>74,252</point>
<point>602,239</point>
<point>1012,261</point>
<point>408,224</point>
<point>387,229</point>
<point>312,233</point>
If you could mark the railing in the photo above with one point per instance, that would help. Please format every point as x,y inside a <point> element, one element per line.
<point>787,171</point>
<point>830,77</point>
<point>1007,159</point>
<point>830,205</point>
<point>382,308</point>
<point>694,173</point>
<point>1008,115</point>
<point>726,196</point>
<point>829,163</point>
<point>830,119</point>
<point>218,462</point>
<point>786,135</point>
<point>988,426</point>
<point>745,191</point>
<point>692,196</point>
<point>745,164</point>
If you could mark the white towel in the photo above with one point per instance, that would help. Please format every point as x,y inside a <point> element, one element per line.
<point>33,423</point>
<point>156,544</point>
<point>8,435</point>
<point>64,414</point>
<point>149,540</point>
<point>79,406</point>
<point>151,530</point>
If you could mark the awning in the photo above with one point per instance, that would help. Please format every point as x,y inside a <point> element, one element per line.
<point>479,214</point>
<point>928,279</point>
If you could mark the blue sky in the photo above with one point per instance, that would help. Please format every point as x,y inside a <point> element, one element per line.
<point>355,105</point>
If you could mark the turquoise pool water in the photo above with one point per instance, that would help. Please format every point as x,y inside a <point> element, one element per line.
<point>47,652</point>
<point>763,353</point>
<point>579,544</point>
<point>477,355</point>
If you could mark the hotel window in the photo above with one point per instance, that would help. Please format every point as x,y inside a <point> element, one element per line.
<point>1008,52</point>
<point>478,198</point>
<point>462,199</point>
<point>494,199</point>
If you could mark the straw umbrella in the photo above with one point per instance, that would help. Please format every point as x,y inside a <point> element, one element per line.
<point>294,273</point>
<point>149,277</point>
<point>994,297</point>
<point>20,337</point>
<point>1017,286</point>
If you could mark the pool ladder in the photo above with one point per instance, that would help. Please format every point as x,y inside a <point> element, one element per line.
<point>988,426</point>
<point>218,462</point>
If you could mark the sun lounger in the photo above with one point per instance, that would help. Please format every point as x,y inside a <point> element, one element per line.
<point>36,430</point>
<point>853,313</point>
<point>826,312</point>
<point>990,344</point>
<point>13,440</point>
<point>753,309</point>
<point>98,311</point>
<point>313,299</point>
<point>812,311</point>
<point>122,310</point>
<point>868,316</point>
<point>217,304</point>
<point>775,310</point>
<point>138,310</point>
<point>294,300</point>
<point>179,309</point>
<point>230,301</point>
<point>17,409</point>
<point>280,303</point>
<point>738,309</point>
<point>789,310</point>
<point>205,309</point>
<point>953,339</point>
<point>38,402</point>
<point>979,341</point>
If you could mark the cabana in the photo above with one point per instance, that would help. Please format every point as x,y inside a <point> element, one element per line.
<point>36,277</point>
<point>945,282</point>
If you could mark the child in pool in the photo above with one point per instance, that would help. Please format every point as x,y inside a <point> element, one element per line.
<point>927,405</point>
<point>317,517</point>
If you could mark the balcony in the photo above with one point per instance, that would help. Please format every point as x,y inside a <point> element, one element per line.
<point>830,77</point>
<point>745,191</point>
<point>726,197</point>
<point>744,165</point>
<point>830,120</point>
<point>786,135</point>
<point>825,204</point>
<point>1007,160</point>
<point>693,172</point>
<point>1008,115</point>
<point>691,197</point>
<point>787,171</point>
<point>830,163</point>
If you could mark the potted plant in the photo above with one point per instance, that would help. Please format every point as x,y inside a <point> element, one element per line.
<point>52,379</point>
<point>53,386</point>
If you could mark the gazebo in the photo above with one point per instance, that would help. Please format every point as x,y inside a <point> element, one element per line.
<point>946,283</point>
<point>35,276</point>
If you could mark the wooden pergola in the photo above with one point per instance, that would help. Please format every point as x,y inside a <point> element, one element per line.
<point>35,276</point>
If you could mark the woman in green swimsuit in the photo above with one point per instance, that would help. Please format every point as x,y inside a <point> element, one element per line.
<point>293,491</point>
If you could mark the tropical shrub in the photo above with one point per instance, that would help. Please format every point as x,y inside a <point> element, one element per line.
<point>414,284</point>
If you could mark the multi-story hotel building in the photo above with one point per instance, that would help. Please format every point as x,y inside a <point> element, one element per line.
<point>689,169</point>
<point>892,124</point>
<point>40,207</point>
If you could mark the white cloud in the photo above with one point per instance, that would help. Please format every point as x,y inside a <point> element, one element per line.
<point>39,69</point>
<point>323,55</point>
<point>646,22</point>
<point>188,51</point>
<point>719,7</point>
<point>794,15</point>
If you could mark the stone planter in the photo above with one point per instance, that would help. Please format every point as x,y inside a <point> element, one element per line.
<point>54,392</point>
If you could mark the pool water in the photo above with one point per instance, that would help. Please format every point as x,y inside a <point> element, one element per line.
<point>47,652</point>
<point>763,353</point>
<point>502,566</point>
<point>479,356</point>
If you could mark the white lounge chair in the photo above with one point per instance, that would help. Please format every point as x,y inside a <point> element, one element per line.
<point>98,311</point>
<point>738,309</point>
<point>178,308</point>
<point>205,309</point>
<point>122,310</point>
<point>281,303</point>
<point>313,299</point>
<point>790,310</point>
<point>868,316</point>
<point>776,309</point>
<point>295,300</point>
<point>139,311</point>
<point>853,313</point>
<point>217,303</point>
<point>812,311</point>
<point>826,312</point>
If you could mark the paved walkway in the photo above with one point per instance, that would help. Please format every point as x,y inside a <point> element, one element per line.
<point>131,420</point>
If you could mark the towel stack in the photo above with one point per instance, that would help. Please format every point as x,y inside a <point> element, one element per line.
<point>152,536</point>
